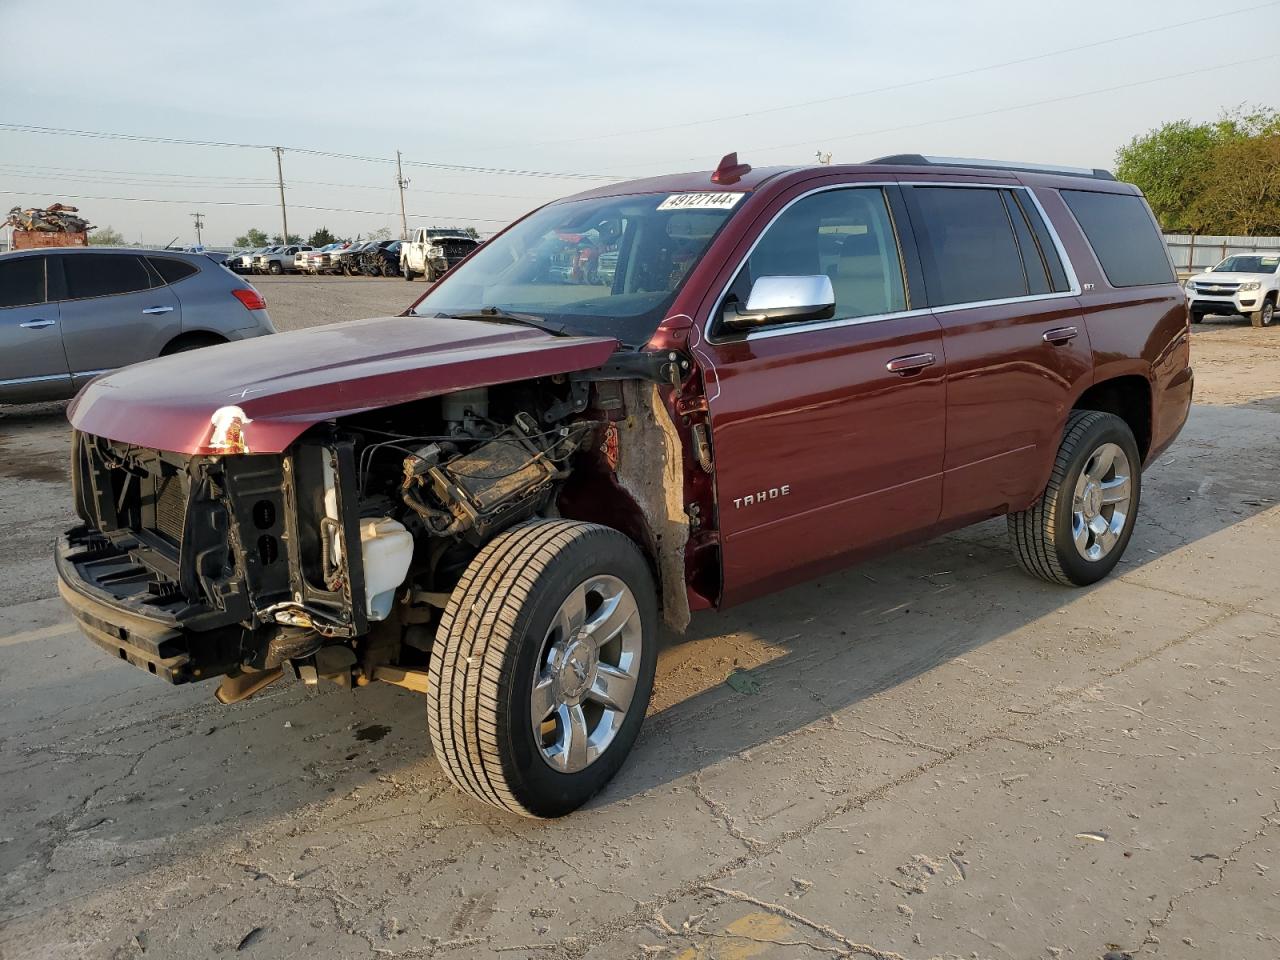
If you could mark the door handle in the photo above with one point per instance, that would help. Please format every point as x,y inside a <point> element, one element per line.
<point>153,310</point>
<point>36,324</point>
<point>906,366</point>
<point>1060,335</point>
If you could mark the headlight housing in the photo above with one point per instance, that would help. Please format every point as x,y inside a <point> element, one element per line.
<point>1251,285</point>
<point>1190,285</point>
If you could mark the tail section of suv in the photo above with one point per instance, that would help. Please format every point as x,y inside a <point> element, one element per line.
<point>676,395</point>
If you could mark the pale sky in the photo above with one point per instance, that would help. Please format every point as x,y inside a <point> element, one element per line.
<point>614,90</point>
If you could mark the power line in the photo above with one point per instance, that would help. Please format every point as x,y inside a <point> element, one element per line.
<point>139,138</point>
<point>296,206</point>
<point>897,86</point>
<point>825,138</point>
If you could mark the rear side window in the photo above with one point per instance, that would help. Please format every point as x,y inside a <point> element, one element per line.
<point>171,270</point>
<point>1123,235</point>
<point>21,281</point>
<point>104,274</point>
<point>967,245</point>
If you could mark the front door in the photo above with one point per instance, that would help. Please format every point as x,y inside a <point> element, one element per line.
<point>827,436</point>
<point>1016,344</point>
<point>33,365</point>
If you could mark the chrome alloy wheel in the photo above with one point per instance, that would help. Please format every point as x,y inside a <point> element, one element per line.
<point>587,673</point>
<point>1100,505</point>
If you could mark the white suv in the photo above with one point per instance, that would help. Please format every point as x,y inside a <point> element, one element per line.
<point>1246,284</point>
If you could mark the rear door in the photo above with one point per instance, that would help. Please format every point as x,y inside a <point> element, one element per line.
<point>33,365</point>
<point>116,311</point>
<point>824,450</point>
<point>1016,345</point>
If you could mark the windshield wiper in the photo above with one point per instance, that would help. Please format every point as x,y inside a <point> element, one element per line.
<point>506,316</point>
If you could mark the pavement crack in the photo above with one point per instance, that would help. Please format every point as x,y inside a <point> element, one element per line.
<point>721,813</point>
<point>1269,820</point>
<point>852,948</point>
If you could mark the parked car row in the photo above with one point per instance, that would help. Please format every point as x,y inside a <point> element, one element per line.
<point>428,253</point>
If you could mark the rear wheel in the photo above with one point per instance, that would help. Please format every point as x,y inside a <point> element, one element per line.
<point>543,665</point>
<point>1264,316</point>
<point>191,341</point>
<point>1079,529</point>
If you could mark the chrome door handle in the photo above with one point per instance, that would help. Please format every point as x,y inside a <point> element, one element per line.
<point>37,324</point>
<point>152,310</point>
<point>905,366</point>
<point>1060,335</point>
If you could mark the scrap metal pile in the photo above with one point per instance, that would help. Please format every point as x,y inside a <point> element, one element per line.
<point>58,218</point>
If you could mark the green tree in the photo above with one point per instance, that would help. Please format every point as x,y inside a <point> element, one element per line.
<point>1241,194</point>
<point>322,237</point>
<point>252,239</point>
<point>1174,163</point>
<point>106,237</point>
<point>293,238</point>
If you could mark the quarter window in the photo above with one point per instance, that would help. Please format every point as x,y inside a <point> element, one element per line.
<point>847,235</point>
<point>104,274</point>
<point>967,245</point>
<point>171,270</point>
<point>21,281</point>
<point>1123,235</point>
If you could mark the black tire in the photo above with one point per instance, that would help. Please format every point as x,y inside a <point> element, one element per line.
<point>191,341</point>
<point>486,654</point>
<point>276,268</point>
<point>1265,315</point>
<point>406,272</point>
<point>1042,535</point>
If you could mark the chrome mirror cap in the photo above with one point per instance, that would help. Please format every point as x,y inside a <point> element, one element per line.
<point>784,300</point>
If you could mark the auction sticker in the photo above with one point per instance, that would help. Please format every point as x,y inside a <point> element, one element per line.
<point>701,201</point>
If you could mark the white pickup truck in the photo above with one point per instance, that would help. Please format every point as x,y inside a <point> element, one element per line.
<point>278,259</point>
<point>429,253</point>
<point>1244,283</point>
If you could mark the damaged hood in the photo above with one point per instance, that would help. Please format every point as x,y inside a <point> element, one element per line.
<point>287,382</point>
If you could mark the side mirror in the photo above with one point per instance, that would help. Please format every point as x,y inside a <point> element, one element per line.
<point>783,300</point>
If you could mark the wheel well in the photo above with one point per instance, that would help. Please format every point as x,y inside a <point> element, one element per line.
<point>192,340</point>
<point>1129,398</point>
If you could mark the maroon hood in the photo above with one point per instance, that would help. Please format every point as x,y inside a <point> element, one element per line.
<point>287,382</point>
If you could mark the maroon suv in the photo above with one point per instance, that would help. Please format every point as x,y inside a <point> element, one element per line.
<point>649,399</point>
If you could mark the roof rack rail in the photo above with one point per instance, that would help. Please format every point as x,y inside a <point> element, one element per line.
<point>919,160</point>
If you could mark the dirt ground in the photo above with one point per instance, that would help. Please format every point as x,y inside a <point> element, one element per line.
<point>929,756</point>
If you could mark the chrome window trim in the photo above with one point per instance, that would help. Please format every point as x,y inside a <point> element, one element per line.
<point>1073,281</point>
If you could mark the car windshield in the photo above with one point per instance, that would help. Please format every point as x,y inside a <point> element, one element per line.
<point>609,266</point>
<point>1241,264</point>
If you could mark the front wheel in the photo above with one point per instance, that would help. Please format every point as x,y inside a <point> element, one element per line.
<point>276,268</point>
<point>543,665</point>
<point>405,271</point>
<point>1264,316</point>
<point>1081,525</point>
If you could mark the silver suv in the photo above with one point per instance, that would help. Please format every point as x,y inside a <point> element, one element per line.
<point>69,314</point>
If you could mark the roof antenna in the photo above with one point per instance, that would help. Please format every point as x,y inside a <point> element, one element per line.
<point>730,170</point>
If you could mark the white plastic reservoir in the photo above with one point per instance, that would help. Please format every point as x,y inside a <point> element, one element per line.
<point>387,549</point>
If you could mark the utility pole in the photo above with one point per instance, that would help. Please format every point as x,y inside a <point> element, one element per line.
<point>284,215</point>
<point>199,219</point>
<point>401,182</point>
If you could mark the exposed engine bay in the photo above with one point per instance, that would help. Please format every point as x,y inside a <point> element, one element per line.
<point>337,556</point>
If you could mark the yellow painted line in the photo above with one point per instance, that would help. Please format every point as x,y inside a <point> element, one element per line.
<point>40,633</point>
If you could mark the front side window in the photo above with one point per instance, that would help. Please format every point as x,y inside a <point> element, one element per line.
<point>1123,234</point>
<point>967,245</point>
<point>846,234</point>
<point>21,282</point>
<point>1251,264</point>
<point>104,274</point>
<point>609,266</point>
